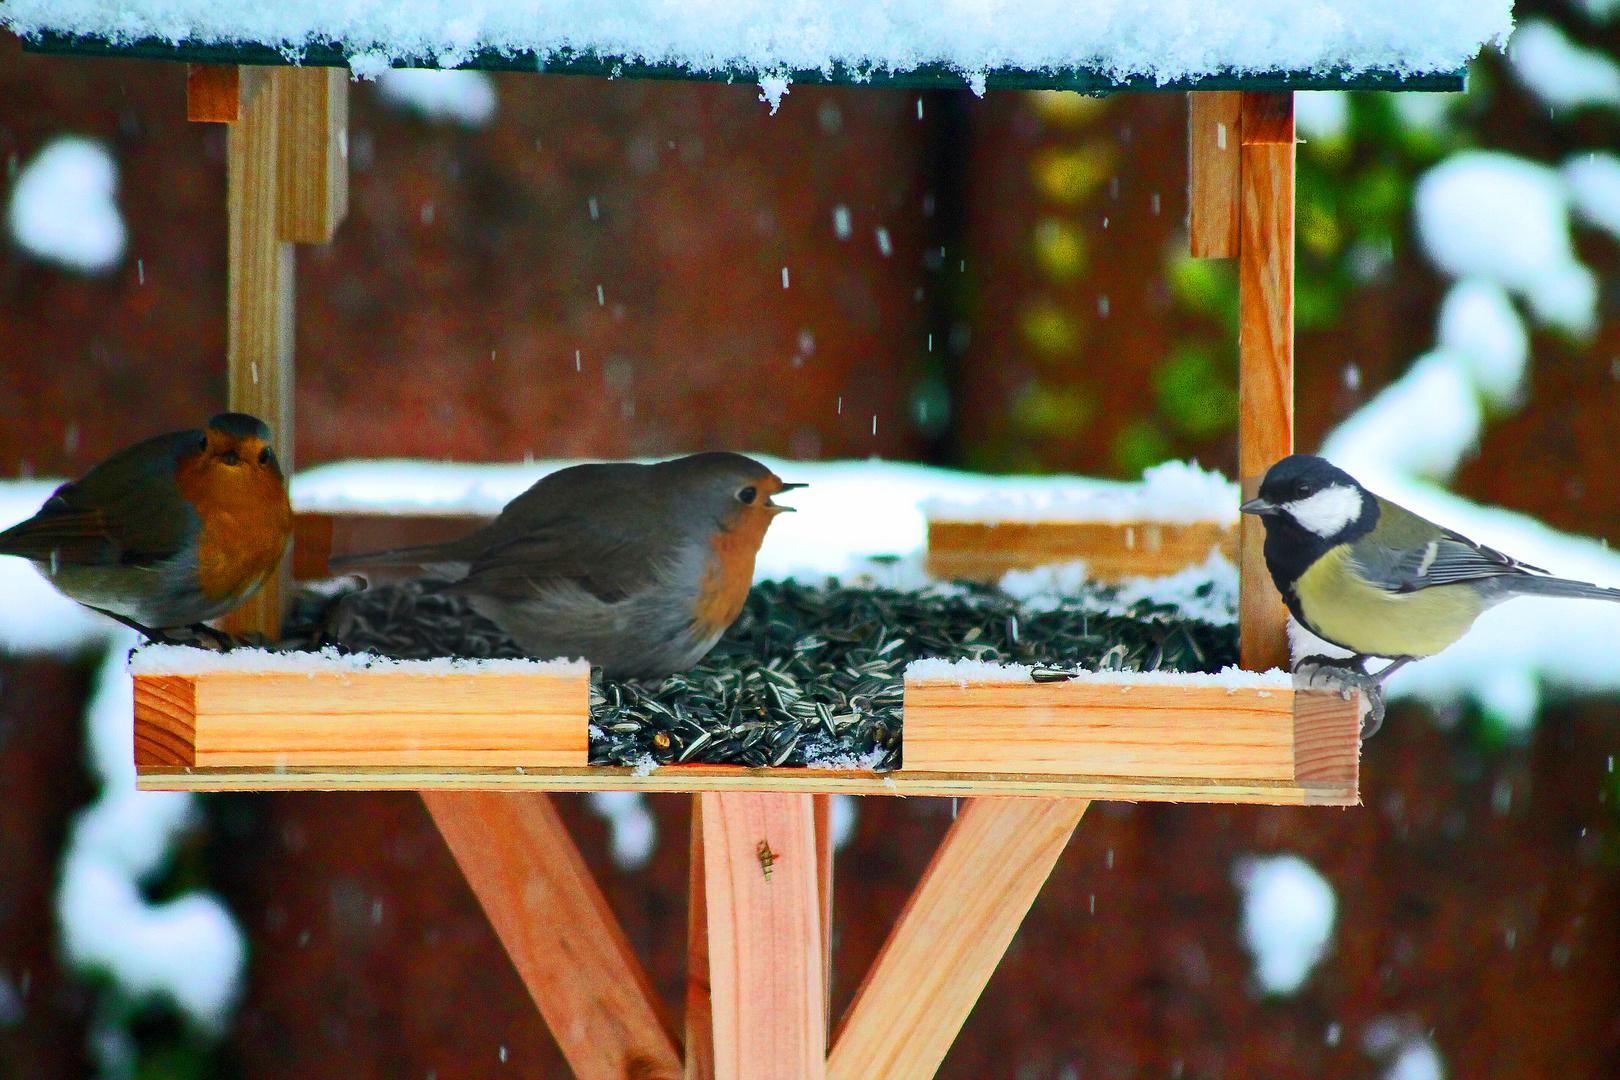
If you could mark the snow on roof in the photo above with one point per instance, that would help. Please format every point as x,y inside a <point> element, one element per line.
<point>1152,40</point>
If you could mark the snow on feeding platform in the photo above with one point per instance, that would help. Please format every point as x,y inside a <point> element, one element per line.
<point>970,671</point>
<point>1124,41</point>
<point>183,660</point>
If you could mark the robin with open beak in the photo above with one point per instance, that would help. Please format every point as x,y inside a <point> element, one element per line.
<point>170,532</point>
<point>637,568</point>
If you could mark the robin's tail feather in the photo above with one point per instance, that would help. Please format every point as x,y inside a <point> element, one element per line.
<point>1535,585</point>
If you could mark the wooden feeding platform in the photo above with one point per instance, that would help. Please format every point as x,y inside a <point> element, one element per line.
<point>484,743</point>
<point>301,722</point>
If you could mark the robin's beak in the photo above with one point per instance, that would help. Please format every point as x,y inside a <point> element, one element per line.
<point>1258,506</point>
<point>780,509</point>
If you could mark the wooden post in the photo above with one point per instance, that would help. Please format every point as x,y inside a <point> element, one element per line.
<point>699,1011</point>
<point>259,327</point>
<point>1266,354</point>
<point>562,937</point>
<point>765,955</point>
<point>951,936</point>
<point>287,181</point>
<point>1214,137</point>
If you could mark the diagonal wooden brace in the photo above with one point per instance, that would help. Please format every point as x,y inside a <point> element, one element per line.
<point>562,937</point>
<point>951,936</point>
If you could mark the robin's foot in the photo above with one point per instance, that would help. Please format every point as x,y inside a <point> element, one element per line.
<point>204,636</point>
<point>1331,673</point>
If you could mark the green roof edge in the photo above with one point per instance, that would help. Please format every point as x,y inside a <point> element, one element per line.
<point>925,77</point>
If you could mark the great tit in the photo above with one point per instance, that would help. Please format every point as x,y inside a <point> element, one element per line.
<point>1374,578</point>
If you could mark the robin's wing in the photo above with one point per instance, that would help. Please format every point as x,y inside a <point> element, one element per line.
<point>124,512</point>
<point>1445,559</point>
<point>608,567</point>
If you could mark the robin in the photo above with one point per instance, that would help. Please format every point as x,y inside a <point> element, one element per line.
<point>170,532</point>
<point>637,568</point>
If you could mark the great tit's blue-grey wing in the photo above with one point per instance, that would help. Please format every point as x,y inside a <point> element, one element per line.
<point>1405,553</point>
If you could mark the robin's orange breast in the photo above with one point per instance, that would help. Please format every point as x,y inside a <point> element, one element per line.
<point>246,522</point>
<point>730,574</point>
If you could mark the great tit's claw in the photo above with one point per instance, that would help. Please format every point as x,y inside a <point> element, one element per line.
<point>1333,673</point>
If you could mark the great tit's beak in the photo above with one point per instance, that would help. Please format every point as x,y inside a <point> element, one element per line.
<point>1258,506</point>
<point>778,507</point>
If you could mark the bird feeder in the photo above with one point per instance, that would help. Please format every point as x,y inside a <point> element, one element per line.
<point>484,745</point>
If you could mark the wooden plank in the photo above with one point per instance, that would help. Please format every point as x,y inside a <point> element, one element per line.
<point>312,152</point>
<point>213,93</point>
<point>165,722</point>
<point>950,937</point>
<point>1266,354</point>
<point>1099,729</point>
<point>1214,134</point>
<point>822,807</point>
<point>1327,742</point>
<point>312,546</point>
<point>279,719</point>
<point>699,1011</point>
<point>985,550</point>
<point>320,537</point>
<point>563,939</point>
<point>708,778</point>
<point>765,961</point>
<point>259,325</point>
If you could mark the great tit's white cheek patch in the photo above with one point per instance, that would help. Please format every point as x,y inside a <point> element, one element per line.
<point>1328,511</point>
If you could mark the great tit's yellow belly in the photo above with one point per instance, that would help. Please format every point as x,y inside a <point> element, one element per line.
<point>1342,607</point>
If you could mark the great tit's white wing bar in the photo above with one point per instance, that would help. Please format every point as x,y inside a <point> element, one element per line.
<point>1445,560</point>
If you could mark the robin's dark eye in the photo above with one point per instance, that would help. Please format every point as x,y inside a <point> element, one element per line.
<point>229,457</point>
<point>746,496</point>
<point>265,456</point>
<point>202,443</point>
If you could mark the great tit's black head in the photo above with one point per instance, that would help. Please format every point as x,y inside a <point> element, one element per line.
<point>1315,496</point>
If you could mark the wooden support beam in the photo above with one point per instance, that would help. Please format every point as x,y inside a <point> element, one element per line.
<point>313,152</point>
<point>950,937</point>
<point>562,937</point>
<point>822,805</point>
<point>1266,354</point>
<point>259,326</point>
<point>765,954</point>
<point>699,1011</point>
<point>1214,136</point>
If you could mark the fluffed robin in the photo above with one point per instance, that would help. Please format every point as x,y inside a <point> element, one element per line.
<point>170,532</point>
<point>637,568</point>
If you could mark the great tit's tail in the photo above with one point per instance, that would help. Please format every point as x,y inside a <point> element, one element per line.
<point>1536,585</point>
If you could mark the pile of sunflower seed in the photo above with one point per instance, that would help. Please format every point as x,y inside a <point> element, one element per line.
<point>807,675</point>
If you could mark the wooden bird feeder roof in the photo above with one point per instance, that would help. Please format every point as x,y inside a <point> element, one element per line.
<point>1088,46</point>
